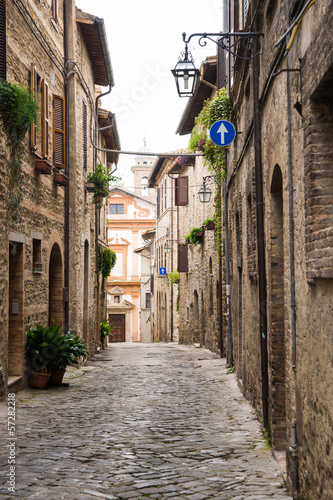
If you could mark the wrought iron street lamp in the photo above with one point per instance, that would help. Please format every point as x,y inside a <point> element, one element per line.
<point>243,45</point>
<point>186,74</point>
<point>205,193</point>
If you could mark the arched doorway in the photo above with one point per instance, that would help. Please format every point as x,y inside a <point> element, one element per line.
<point>277,334</point>
<point>55,286</point>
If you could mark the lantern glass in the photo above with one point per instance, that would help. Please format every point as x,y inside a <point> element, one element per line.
<point>186,76</point>
<point>204,194</point>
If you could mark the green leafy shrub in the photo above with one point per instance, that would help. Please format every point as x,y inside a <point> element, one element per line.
<point>107,260</point>
<point>105,329</point>
<point>17,111</point>
<point>102,178</point>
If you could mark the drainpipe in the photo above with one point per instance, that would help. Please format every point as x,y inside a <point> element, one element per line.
<point>66,229</point>
<point>230,360</point>
<point>260,235</point>
<point>293,448</point>
<point>172,285</point>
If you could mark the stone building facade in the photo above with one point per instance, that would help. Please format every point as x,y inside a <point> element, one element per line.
<point>280,227</point>
<point>129,216</point>
<point>164,324</point>
<point>49,256</point>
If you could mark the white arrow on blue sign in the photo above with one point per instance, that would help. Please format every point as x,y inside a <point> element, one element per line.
<point>222,133</point>
<point>162,271</point>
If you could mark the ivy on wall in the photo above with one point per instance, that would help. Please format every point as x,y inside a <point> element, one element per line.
<point>218,108</point>
<point>17,111</point>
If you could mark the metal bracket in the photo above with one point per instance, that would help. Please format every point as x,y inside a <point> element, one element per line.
<point>231,42</point>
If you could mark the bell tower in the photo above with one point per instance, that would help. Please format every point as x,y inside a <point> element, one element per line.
<point>141,171</point>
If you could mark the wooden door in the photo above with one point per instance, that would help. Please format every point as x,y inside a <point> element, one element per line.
<point>118,323</point>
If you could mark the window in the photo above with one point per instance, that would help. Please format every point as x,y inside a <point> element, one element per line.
<point>147,300</point>
<point>144,189</point>
<point>116,208</point>
<point>183,258</point>
<point>55,10</point>
<point>40,131</point>
<point>181,194</point>
<point>2,40</point>
<point>36,256</point>
<point>59,131</point>
<point>84,135</point>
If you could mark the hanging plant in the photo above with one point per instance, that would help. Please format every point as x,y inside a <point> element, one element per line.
<point>195,236</point>
<point>197,141</point>
<point>185,161</point>
<point>107,260</point>
<point>102,178</point>
<point>17,111</point>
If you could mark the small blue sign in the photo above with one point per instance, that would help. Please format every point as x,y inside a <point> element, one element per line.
<point>222,133</point>
<point>162,271</point>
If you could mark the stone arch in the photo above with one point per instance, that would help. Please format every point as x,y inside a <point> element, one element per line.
<point>277,333</point>
<point>55,310</point>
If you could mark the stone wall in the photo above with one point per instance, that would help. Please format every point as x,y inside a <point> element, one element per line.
<point>199,288</point>
<point>298,172</point>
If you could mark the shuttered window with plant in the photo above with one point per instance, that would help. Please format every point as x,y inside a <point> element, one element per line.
<point>59,131</point>
<point>2,40</point>
<point>40,127</point>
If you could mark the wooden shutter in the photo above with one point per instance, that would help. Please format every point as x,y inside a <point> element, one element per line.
<point>152,284</point>
<point>33,90</point>
<point>221,69</point>
<point>3,59</point>
<point>158,203</point>
<point>85,135</point>
<point>183,258</point>
<point>181,188</point>
<point>59,131</point>
<point>45,119</point>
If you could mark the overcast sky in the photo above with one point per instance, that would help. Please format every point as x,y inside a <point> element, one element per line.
<point>145,41</point>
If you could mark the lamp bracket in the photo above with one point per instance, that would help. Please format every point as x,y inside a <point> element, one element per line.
<point>231,42</point>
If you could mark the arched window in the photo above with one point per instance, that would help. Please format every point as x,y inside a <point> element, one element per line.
<point>144,188</point>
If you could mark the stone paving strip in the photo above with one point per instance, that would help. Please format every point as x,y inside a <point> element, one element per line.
<point>143,421</point>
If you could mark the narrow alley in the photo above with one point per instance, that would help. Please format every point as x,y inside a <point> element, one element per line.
<point>143,421</point>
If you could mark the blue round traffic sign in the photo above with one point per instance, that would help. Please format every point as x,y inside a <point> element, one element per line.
<point>222,133</point>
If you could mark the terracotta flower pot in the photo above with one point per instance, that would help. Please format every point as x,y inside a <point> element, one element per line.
<point>38,380</point>
<point>56,377</point>
<point>61,179</point>
<point>43,167</point>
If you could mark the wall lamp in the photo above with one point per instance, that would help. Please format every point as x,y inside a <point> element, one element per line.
<point>168,245</point>
<point>186,74</point>
<point>205,193</point>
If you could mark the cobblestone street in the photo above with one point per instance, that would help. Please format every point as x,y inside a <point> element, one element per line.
<point>143,421</point>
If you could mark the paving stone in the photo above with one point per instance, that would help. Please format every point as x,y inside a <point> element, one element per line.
<point>167,421</point>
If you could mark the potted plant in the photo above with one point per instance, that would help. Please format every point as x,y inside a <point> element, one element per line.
<point>40,351</point>
<point>105,330</point>
<point>101,178</point>
<point>69,348</point>
<point>209,223</point>
<point>195,236</point>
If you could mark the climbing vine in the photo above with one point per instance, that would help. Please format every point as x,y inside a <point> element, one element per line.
<point>17,111</point>
<point>216,109</point>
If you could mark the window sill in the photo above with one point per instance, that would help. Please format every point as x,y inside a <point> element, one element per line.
<point>13,379</point>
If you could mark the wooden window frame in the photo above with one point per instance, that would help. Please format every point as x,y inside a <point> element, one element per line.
<point>59,132</point>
